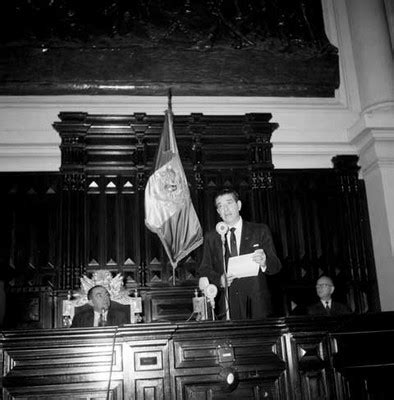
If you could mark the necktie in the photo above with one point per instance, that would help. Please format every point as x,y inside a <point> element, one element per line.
<point>102,321</point>
<point>233,243</point>
<point>328,310</point>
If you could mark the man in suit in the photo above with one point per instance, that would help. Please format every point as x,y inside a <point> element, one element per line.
<point>100,311</point>
<point>249,297</point>
<point>327,306</point>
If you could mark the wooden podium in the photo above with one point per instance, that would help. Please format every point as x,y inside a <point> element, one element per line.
<point>285,358</point>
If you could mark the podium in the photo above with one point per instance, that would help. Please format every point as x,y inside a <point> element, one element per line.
<point>284,358</point>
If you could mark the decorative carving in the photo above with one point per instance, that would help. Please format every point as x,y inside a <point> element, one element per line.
<point>141,180</point>
<point>74,181</point>
<point>203,23</point>
<point>73,149</point>
<point>139,127</point>
<point>197,132</point>
<point>347,169</point>
<point>198,180</point>
<point>114,285</point>
<point>46,40</point>
<point>261,179</point>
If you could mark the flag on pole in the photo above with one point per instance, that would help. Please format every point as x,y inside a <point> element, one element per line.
<point>169,211</point>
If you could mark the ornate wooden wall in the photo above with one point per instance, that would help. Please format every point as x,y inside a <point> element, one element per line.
<point>90,215</point>
<point>276,359</point>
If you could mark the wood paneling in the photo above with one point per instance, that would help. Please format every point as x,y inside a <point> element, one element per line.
<point>90,216</point>
<point>283,359</point>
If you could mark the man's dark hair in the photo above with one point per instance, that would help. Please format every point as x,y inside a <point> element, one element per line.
<point>90,291</point>
<point>233,192</point>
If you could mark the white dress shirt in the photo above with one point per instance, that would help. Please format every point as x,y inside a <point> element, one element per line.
<point>97,317</point>
<point>238,233</point>
<point>326,302</point>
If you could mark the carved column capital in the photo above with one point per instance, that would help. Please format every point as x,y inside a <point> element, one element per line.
<point>74,181</point>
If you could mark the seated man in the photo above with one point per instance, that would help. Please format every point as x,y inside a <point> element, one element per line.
<point>100,311</point>
<point>327,306</point>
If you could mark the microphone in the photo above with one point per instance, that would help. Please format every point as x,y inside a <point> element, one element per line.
<point>208,289</point>
<point>211,291</point>
<point>221,228</point>
<point>203,282</point>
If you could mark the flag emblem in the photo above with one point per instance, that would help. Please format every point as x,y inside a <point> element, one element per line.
<point>169,211</point>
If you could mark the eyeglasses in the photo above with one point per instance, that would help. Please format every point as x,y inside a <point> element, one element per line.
<point>323,285</point>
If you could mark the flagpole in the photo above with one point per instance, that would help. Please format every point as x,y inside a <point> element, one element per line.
<point>173,276</point>
<point>170,99</point>
<point>169,210</point>
<point>170,110</point>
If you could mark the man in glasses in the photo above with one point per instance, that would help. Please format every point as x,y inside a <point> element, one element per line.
<point>327,306</point>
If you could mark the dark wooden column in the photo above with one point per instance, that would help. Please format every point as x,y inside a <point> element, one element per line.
<point>73,155</point>
<point>72,230</point>
<point>358,271</point>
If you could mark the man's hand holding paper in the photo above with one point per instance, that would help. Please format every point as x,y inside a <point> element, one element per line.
<point>260,258</point>
<point>247,264</point>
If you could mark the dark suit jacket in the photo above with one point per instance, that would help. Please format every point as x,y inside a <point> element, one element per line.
<point>118,314</point>
<point>249,298</point>
<point>336,309</point>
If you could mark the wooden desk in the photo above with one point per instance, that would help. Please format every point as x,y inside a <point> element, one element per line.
<point>285,358</point>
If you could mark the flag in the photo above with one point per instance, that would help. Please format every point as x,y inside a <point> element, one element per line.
<point>169,211</point>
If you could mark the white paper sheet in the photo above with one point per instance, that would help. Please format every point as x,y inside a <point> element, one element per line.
<point>242,266</point>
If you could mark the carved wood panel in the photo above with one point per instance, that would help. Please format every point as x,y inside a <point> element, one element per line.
<point>320,226</point>
<point>286,358</point>
<point>84,391</point>
<point>113,219</point>
<point>350,357</point>
<point>29,246</point>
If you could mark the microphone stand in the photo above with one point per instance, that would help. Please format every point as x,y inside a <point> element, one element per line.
<point>225,278</point>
